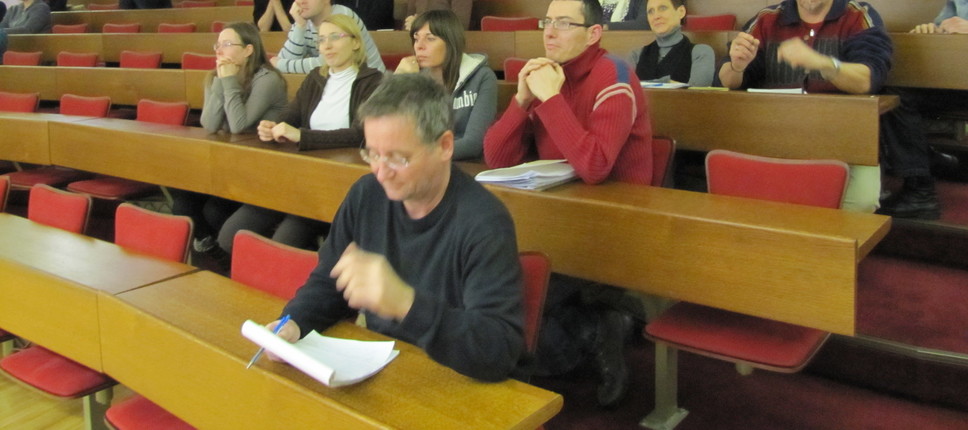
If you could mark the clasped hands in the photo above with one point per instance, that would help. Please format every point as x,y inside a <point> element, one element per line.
<point>278,131</point>
<point>368,282</point>
<point>540,78</point>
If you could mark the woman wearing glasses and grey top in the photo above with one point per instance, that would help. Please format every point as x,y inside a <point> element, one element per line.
<point>244,87</point>
<point>323,115</point>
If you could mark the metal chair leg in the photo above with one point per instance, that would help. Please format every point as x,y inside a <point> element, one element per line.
<point>667,413</point>
<point>95,406</point>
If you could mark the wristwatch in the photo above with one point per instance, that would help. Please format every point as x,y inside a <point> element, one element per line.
<point>836,64</point>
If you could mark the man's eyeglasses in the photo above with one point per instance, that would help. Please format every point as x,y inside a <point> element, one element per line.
<point>559,24</point>
<point>393,161</point>
<point>225,45</point>
<point>332,37</point>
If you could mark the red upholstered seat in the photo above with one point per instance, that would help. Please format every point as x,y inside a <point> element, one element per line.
<point>140,60</point>
<point>113,27</point>
<point>391,61</point>
<point>19,102</point>
<point>173,113</point>
<point>46,175</point>
<point>69,28</point>
<point>270,266</point>
<point>157,234</point>
<point>71,104</point>
<point>193,61</point>
<point>536,271</point>
<point>508,23</point>
<point>137,412</point>
<point>112,188</point>
<point>58,208</point>
<point>218,26</point>
<point>4,191</point>
<point>244,2</point>
<point>512,67</point>
<point>188,27</point>
<point>748,341</point>
<point>77,59</point>
<point>728,335</point>
<point>53,373</point>
<point>19,58</point>
<point>725,22</point>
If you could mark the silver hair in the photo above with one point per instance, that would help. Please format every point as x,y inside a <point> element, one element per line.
<point>416,96</point>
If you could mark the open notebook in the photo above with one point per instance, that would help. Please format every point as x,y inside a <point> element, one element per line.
<point>332,361</point>
<point>536,175</point>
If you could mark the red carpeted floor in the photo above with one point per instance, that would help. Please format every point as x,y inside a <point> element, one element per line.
<point>717,397</point>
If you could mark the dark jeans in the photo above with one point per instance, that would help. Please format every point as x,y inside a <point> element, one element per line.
<point>208,213</point>
<point>904,147</point>
<point>291,230</point>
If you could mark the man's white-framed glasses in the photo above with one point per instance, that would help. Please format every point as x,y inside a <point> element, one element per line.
<point>332,37</point>
<point>393,161</point>
<point>560,24</point>
<point>225,45</point>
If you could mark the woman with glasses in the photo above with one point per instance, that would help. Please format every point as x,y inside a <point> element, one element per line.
<point>672,57</point>
<point>243,89</point>
<point>438,42</point>
<point>323,115</point>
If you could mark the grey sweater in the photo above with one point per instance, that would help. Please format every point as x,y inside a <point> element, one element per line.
<point>475,105</point>
<point>224,108</point>
<point>34,19</point>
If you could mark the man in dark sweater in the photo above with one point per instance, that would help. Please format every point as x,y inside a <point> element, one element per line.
<point>420,249</point>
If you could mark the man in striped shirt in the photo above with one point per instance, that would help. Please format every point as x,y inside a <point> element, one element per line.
<point>300,53</point>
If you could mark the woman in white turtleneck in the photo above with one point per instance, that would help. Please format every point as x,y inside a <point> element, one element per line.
<point>672,57</point>
<point>323,115</point>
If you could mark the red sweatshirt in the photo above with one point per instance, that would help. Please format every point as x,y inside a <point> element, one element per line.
<point>599,123</point>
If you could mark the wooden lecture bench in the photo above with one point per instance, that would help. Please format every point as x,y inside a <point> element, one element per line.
<point>930,61</point>
<point>180,344</point>
<point>51,281</point>
<point>197,318</point>
<point>759,258</point>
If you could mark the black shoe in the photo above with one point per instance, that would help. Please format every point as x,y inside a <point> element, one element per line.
<point>916,199</point>
<point>610,357</point>
<point>944,165</point>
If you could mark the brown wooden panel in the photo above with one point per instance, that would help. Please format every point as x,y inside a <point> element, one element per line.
<point>26,135</point>
<point>51,278</point>
<point>930,61</point>
<point>200,316</point>
<point>777,125</point>
<point>30,79</point>
<point>51,44</point>
<point>172,46</point>
<point>125,86</point>
<point>159,154</point>
<point>498,45</point>
<point>265,175</point>
<point>150,18</point>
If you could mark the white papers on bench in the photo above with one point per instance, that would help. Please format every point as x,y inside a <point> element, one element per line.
<point>332,361</point>
<point>536,175</point>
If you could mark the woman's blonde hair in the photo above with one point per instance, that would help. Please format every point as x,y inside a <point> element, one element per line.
<point>348,26</point>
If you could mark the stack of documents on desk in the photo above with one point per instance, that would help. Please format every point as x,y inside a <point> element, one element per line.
<point>536,175</point>
<point>777,90</point>
<point>332,361</point>
<point>668,85</point>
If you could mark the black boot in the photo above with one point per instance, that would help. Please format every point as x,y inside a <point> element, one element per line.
<point>916,199</point>
<point>609,356</point>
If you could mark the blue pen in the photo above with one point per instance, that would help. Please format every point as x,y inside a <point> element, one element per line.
<point>258,353</point>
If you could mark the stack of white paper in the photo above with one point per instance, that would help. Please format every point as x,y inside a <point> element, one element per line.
<point>665,85</point>
<point>332,361</point>
<point>536,175</point>
<point>777,90</point>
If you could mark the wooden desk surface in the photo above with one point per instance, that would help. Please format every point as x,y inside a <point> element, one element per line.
<point>191,359</point>
<point>51,279</point>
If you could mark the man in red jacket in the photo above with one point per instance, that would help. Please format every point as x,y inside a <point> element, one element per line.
<point>581,104</point>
